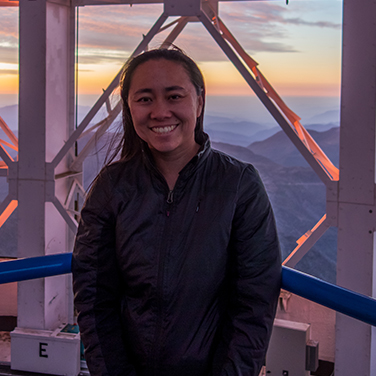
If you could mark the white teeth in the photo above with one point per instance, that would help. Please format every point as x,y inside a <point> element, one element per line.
<point>163,129</point>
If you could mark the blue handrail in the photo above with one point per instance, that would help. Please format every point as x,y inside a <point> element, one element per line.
<point>35,267</point>
<point>348,302</point>
<point>342,300</point>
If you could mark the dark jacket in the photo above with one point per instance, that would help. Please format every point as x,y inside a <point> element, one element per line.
<point>181,283</point>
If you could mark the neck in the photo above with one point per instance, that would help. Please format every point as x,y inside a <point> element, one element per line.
<point>170,164</point>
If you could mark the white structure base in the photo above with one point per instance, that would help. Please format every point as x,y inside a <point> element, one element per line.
<point>43,351</point>
<point>287,353</point>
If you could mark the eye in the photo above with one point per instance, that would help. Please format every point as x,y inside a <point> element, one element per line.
<point>175,96</point>
<point>143,100</point>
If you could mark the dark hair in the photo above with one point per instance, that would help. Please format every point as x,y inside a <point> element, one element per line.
<point>131,144</point>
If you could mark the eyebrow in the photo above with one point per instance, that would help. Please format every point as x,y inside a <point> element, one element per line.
<point>169,88</point>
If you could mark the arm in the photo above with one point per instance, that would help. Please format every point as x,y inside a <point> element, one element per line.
<point>254,281</point>
<point>97,286</point>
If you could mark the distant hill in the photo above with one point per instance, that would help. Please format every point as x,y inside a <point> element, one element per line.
<point>331,116</point>
<point>297,195</point>
<point>280,149</point>
<point>298,199</point>
<point>241,132</point>
<point>10,116</point>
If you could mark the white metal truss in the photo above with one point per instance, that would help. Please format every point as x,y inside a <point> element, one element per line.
<point>205,12</point>
<point>248,67</point>
<point>350,195</point>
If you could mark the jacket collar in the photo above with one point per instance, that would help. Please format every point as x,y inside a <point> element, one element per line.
<point>189,168</point>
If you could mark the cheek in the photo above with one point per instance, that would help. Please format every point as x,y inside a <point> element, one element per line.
<point>138,128</point>
<point>137,122</point>
<point>137,116</point>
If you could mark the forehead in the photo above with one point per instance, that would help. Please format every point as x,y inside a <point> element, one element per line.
<point>160,73</point>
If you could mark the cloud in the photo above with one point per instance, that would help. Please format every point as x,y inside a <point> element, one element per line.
<point>110,33</point>
<point>267,14</point>
<point>265,27</point>
<point>120,28</point>
<point>8,72</point>
<point>9,22</point>
<point>8,55</point>
<point>321,24</point>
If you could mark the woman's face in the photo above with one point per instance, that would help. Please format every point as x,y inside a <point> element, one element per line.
<point>164,106</point>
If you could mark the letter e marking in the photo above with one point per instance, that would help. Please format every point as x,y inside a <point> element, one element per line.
<point>43,350</point>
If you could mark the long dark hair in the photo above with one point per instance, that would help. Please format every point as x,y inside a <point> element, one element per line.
<point>130,143</point>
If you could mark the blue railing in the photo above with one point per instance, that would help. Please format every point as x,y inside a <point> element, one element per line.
<point>352,304</point>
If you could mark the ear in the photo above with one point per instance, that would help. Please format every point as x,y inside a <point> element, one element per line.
<point>200,103</point>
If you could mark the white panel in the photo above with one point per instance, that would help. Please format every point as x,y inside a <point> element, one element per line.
<point>287,349</point>
<point>357,131</point>
<point>46,105</point>
<point>56,297</point>
<point>57,82</point>
<point>43,351</point>
<point>356,222</point>
<point>32,93</point>
<point>31,165</point>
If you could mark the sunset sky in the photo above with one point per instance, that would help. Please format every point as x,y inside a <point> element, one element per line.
<point>297,46</point>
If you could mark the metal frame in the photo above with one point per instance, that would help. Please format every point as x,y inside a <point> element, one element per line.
<point>350,199</point>
<point>205,12</point>
<point>347,302</point>
<point>284,116</point>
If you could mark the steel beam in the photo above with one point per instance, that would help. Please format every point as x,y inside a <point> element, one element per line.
<point>286,119</point>
<point>355,342</point>
<point>45,121</point>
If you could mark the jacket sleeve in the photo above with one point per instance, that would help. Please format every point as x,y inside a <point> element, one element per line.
<point>254,282</point>
<point>97,285</point>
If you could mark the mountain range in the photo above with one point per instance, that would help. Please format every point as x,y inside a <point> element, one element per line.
<point>296,193</point>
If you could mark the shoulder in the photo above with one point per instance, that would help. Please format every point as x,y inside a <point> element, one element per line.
<point>119,169</point>
<point>117,173</point>
<point>238,176</point>
<point>231,166</point>
<point>118,177</point>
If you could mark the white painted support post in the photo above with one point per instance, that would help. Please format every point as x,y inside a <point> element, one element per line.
<point>44,124</point>
<point>46,103</point>
<point>356,204</point>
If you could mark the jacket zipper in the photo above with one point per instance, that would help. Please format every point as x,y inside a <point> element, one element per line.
<point>170,200</point>
<point>170,197</point>
<point>160,283</point>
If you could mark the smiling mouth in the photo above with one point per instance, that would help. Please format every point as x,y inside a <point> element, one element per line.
<point>165,129</point>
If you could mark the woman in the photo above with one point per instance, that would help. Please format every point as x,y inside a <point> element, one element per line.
<point>176,264</point>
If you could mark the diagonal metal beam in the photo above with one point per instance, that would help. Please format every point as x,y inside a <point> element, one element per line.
<point>281,118</point>
<point>105,124</point>
<point>102,99</point>
<point>75,187</point>
<point>8,132</point>
<point>181,23</point>
<point>306,242</point>
<point>4,155</point>
<point>7,207</point>
<point>71,222</point>
<point>2,142</point>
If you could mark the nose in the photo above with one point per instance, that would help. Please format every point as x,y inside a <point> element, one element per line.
<point>160,110</point>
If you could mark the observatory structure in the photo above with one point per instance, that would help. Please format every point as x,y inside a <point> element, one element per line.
<point>45,180</point>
